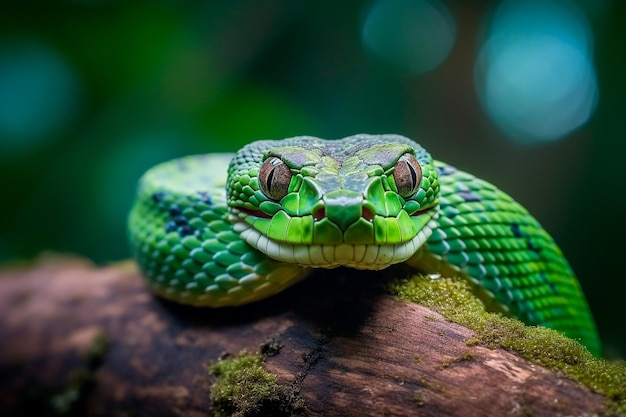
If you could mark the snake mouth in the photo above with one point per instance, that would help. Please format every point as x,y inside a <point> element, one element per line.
<point>358,256</point>
<point>318,215</point>
<point>420,212</point>
<point>254,213</point>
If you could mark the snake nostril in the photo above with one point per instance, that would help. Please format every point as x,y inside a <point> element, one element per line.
<point>367,214</point>
<point>319,214</point>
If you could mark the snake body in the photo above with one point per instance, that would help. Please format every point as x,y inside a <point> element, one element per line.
<point>228,229</point>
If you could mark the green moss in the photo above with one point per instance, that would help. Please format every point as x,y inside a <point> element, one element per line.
<point>70,400</point>
<point>454,300</point>
<point>418,400</point>
<point>97,350</point>
<point>271,347</point>
<point>245,388</point>
<point>467,356</point>
<point>432,386</point>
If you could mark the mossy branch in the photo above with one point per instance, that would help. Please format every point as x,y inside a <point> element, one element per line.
<point>546,347</point>
<point>340,343</point>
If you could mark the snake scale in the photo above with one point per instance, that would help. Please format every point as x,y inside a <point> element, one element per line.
<point>228,229</point>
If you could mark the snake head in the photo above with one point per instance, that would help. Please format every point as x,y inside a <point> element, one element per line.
<point>363,201</point>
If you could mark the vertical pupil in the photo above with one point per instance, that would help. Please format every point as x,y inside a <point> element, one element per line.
<point>270,178</point>
<point>413,175</point>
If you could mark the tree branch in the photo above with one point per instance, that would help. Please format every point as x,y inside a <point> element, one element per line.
<point>82,340</point>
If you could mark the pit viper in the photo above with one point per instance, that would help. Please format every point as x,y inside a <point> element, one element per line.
<point>228,229</point>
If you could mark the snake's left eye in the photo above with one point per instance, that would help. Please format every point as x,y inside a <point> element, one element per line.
<point>274,178</point>
<point>407,174</point>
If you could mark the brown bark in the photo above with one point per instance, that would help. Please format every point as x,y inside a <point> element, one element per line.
<point>347,349</point>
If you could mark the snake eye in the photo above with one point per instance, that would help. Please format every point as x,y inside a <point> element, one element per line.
<point>274,178</point>
<point>407,175</point>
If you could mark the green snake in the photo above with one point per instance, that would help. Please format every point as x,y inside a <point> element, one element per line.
<point>228,229</point>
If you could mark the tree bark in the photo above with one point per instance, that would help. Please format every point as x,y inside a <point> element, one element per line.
<point>76,339</point>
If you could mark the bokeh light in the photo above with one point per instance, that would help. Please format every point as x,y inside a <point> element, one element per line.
<point>535,73</point>
<point>413,35</point>
<point>39,94</point>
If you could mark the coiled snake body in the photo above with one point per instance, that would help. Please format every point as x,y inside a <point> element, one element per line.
<point>229,229</point>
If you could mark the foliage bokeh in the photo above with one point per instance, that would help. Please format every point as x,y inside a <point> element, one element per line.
<point>92,93</point>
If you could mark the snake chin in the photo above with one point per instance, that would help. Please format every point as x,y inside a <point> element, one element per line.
<point>359,256</point>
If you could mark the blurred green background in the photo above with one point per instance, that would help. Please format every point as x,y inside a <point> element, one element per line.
<point>530,95</point>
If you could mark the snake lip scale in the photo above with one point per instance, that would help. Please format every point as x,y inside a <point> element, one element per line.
<point>253,213</point>
<point>222,230</point>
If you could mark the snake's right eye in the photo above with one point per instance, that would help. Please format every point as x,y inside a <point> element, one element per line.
<point>407,175</point>
<point>274,178</point>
